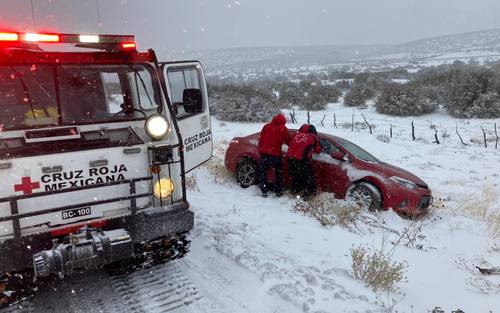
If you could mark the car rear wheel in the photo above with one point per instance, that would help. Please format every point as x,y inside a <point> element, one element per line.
<point>247,173</point>
<point>366,196</point>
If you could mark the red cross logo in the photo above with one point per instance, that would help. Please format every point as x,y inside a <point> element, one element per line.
<point>27,186</point>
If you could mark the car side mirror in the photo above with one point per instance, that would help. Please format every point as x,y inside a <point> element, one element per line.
<point>192,100</point>
<point>341,156</point>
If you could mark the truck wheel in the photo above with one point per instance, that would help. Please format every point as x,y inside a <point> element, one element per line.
<point>247,173</point>
<point>367,196</point>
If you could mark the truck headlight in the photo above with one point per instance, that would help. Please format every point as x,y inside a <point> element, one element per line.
<point>404,182</point>
<point>164,188</point>
<point>157,126</point>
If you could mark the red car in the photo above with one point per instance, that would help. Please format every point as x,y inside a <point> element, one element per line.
<point>344,169</point>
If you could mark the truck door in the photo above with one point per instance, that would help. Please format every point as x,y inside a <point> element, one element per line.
<point>188,94</point>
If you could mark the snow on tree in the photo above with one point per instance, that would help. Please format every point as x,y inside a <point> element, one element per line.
<point>403,100</point>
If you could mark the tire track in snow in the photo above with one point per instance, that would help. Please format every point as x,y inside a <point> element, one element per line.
<point>163,288</point>
<point>228,286</point>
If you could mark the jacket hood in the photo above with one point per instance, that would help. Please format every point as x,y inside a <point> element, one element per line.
<point>304,128</point>
<point>279,119</point>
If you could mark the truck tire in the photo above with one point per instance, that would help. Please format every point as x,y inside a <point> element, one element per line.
<point>247,173</point>
<point>367,196</point>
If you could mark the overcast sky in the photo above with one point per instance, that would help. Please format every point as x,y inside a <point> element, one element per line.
<point>179,25</point>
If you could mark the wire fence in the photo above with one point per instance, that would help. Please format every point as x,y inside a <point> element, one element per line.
<point>473,132</point>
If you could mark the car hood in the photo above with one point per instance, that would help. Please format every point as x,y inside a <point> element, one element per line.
<point>391,170</point>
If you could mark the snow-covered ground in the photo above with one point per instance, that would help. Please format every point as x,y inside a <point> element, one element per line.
<point>257,255</point>
<point>301,262</point>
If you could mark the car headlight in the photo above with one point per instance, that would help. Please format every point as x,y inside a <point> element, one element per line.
<point>164,188</point>
<point>157,126</point>
<point>404,182</point>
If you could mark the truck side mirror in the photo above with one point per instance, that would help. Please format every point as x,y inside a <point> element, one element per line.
<point>192,100</point>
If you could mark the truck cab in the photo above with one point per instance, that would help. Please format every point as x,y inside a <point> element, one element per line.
<point>95,144</point>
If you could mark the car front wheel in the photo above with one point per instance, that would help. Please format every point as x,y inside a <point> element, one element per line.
<point>366,196</point>
<point>247,173</point>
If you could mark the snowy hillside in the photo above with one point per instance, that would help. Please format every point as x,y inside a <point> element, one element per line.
<point>241,60</point>
<point>472,43</point>
<point>481,45</point>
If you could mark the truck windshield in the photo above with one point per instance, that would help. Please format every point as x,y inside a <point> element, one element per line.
<point>55,95</point>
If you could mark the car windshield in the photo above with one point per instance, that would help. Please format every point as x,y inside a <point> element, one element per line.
<point>357,151</point>
<point>48,95</point>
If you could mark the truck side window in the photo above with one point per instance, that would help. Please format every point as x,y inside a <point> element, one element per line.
<point>180,80</point>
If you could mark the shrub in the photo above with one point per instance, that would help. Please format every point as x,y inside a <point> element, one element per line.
<point>383,138</point>
<point>464,90</point>
<point>318,96</point>
<point>291,94</point>
<point>404,100</point>
<point>376,269</point>
<point>242,104</point>
<point>216,165</point>
<point>357,96</point>
<point>483,207</point>
<point>330,211</point>
<point>192,183</point>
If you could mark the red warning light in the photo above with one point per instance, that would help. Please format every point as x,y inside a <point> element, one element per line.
<point>129,45</point>
<point>33,37</point>
<point>9,36</point>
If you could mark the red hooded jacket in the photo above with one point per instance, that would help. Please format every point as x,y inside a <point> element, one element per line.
<point>303,144</point>
<point>273,136</point>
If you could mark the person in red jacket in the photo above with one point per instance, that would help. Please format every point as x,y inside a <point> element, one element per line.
<point>272,137</point>
<point>299,155</point>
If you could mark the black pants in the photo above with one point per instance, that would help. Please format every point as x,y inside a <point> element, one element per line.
<point>302,177</point>
<point>268,162</point>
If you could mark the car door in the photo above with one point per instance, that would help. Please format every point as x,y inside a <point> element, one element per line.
<point>331,174</point>
<point>184,81</point>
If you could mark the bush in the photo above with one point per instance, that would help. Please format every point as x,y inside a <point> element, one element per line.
<point>483,206</point>
<point>318,96</point>
<point>383,138</point>
<point>291,94</point>
<point>242,104</point>
<point>216,165</point>
<point>357,96</point>
<point>404,100</point>
<point>376,269</point>
<point>330,211</point>
<point>465,91</point>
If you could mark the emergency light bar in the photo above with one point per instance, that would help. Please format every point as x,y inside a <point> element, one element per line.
<point>126,42</point>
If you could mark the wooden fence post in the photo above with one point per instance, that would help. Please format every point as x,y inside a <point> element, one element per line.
<point>461,140</point>
<point>308,118</point>
<point>484,136</point>
<point>352,122</point>
<point>390,131</point>
<point>413,131</point>
<point>496,135</point>
<point>369,126</point>
<point>436,134</point>
<point>335,120</point>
